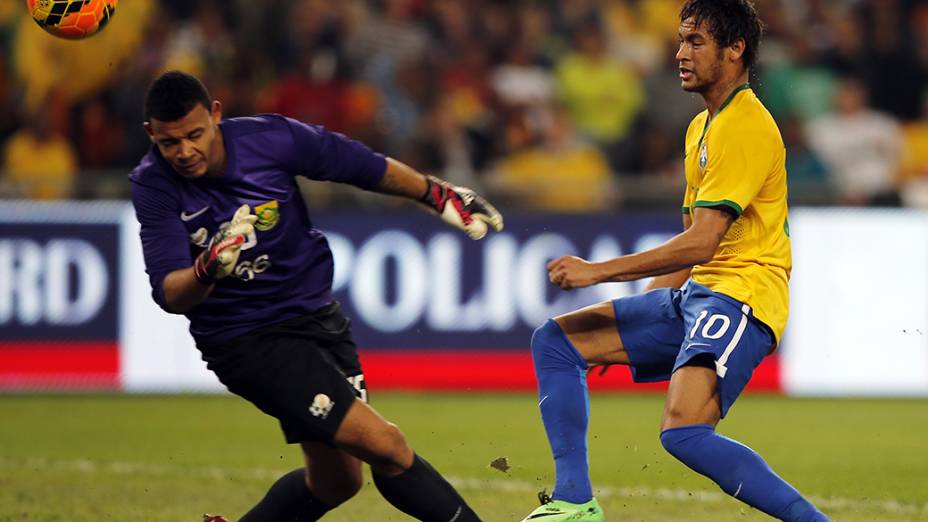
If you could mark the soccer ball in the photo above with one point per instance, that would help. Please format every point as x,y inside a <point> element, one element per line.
<point>72,19</point>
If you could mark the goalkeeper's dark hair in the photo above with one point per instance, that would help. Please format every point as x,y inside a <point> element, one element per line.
<point>173,95</point>
<point>728,21</point>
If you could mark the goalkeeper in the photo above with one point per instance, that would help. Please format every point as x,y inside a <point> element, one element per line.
<point>228,242</point>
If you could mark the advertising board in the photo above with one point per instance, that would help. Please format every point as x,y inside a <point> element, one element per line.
<point>60,293</point>
<point>432,309</point>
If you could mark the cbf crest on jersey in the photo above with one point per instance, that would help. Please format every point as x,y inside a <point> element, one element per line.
<point>703,156</point>
<point>268,215</point>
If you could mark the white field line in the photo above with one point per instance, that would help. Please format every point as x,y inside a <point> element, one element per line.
<point>472,484</point>
<point>683,495</point>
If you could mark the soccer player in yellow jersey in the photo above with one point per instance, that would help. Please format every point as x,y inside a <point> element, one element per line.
<point>719,300</point>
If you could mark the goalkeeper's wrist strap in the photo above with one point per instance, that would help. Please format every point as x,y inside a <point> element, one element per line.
<point>433,192</point>
<point>201,270</point>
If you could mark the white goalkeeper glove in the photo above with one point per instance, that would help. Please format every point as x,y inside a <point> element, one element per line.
<point>461,208</point>
<point>221,254</point>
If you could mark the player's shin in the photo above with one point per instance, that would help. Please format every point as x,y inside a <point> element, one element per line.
<point>288,499</point>
<point>565,409</point>
<point>739,471</point>
<point>423,493</point>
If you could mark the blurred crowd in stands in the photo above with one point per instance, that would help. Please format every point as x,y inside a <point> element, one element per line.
<point>564,105</point>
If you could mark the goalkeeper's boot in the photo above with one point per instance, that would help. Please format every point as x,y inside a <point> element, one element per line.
<point>213,518</point>
<point>552,510</point>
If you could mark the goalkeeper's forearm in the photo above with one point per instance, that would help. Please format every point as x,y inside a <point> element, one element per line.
<point>402,180</point>
<point>182,291</point>
<point>459,207</point>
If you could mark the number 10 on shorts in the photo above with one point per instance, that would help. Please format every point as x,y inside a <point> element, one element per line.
<point>715,327</point>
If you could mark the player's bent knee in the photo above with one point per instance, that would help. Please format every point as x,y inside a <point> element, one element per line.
<point>390,449</point>
<point>681,441</point>
<point>676,414</point>
<point>371,438</point>
<point>545,338</point>
<point>692,398</point>
<point>542,335</point>
<point>395,440</point>
<point>669,442</point>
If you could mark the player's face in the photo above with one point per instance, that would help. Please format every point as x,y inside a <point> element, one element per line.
<point>192,144</point>
<point>699,56</point>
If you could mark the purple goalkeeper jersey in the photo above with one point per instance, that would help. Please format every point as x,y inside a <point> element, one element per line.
<point>284,271</point>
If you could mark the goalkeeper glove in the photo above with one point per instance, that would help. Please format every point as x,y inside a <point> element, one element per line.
<point>461,208</point>
<point>221,254</point>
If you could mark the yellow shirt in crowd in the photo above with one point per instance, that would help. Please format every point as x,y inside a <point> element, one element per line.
<point>41,169</point>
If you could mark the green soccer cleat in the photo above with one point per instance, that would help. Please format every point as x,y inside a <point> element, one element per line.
<point>557,510</point>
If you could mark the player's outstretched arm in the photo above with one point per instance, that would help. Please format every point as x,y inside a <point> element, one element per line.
<point>460,207</point>
<point>188,287</point>
<point>695,245</point>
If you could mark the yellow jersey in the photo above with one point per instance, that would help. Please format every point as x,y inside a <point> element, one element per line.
<point>737,160</point>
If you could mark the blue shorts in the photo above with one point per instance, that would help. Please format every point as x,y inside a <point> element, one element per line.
<point>664,329</point>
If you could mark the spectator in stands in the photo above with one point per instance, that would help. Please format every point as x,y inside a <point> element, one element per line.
<point>667,114</point>
<point>639,31</point>
<point>914,170</point>
<point>914,175</point>
<point>386,38</point>
<point>564,173</point>
<point>99,135</point>
<point>38,160</point>
<point>798,83</point>
<point>537,33</point>
<point>8,99</point>
<point>603,96</point>
<point>444,147</point>
<point>860,146</point>
<point>805,169</point>
<point>893,76</point>
<point>313,90</point>
<point>919,24</point>
<point>523,90</point>
<point>520,81</point>
<point>100,140</point>
<point>846,54</point>
<point>464,90</point>
<point>386,46</point>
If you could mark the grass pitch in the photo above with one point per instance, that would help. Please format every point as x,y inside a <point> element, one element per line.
<point>169,458</point>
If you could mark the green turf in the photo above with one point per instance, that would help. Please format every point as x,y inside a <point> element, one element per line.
<point>169,458</point>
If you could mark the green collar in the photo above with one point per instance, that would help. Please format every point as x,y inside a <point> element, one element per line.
<point>728,100</point>
<point>731,96</point>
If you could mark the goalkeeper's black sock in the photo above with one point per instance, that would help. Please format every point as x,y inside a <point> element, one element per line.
<point>288,500</point>
<point>423,493</point>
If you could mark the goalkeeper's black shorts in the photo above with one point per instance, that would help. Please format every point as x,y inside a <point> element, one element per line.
<point>305,372</point>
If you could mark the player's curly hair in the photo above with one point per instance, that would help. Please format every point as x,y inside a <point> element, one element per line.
<point>173,95</point>
<point>728,21</point>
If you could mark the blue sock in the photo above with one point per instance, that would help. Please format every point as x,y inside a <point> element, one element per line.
<point>739,471</point>
<point>565,410</point>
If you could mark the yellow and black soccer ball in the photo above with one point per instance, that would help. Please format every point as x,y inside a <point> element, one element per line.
<point>72,19</point>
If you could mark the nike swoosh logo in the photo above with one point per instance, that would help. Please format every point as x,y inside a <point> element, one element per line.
<point>543,399</point>
<point>697,344</point>
<point>187,217</point>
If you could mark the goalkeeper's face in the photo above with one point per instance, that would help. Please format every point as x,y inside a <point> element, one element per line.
<point>193,144</point>
<point>700,58</point>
